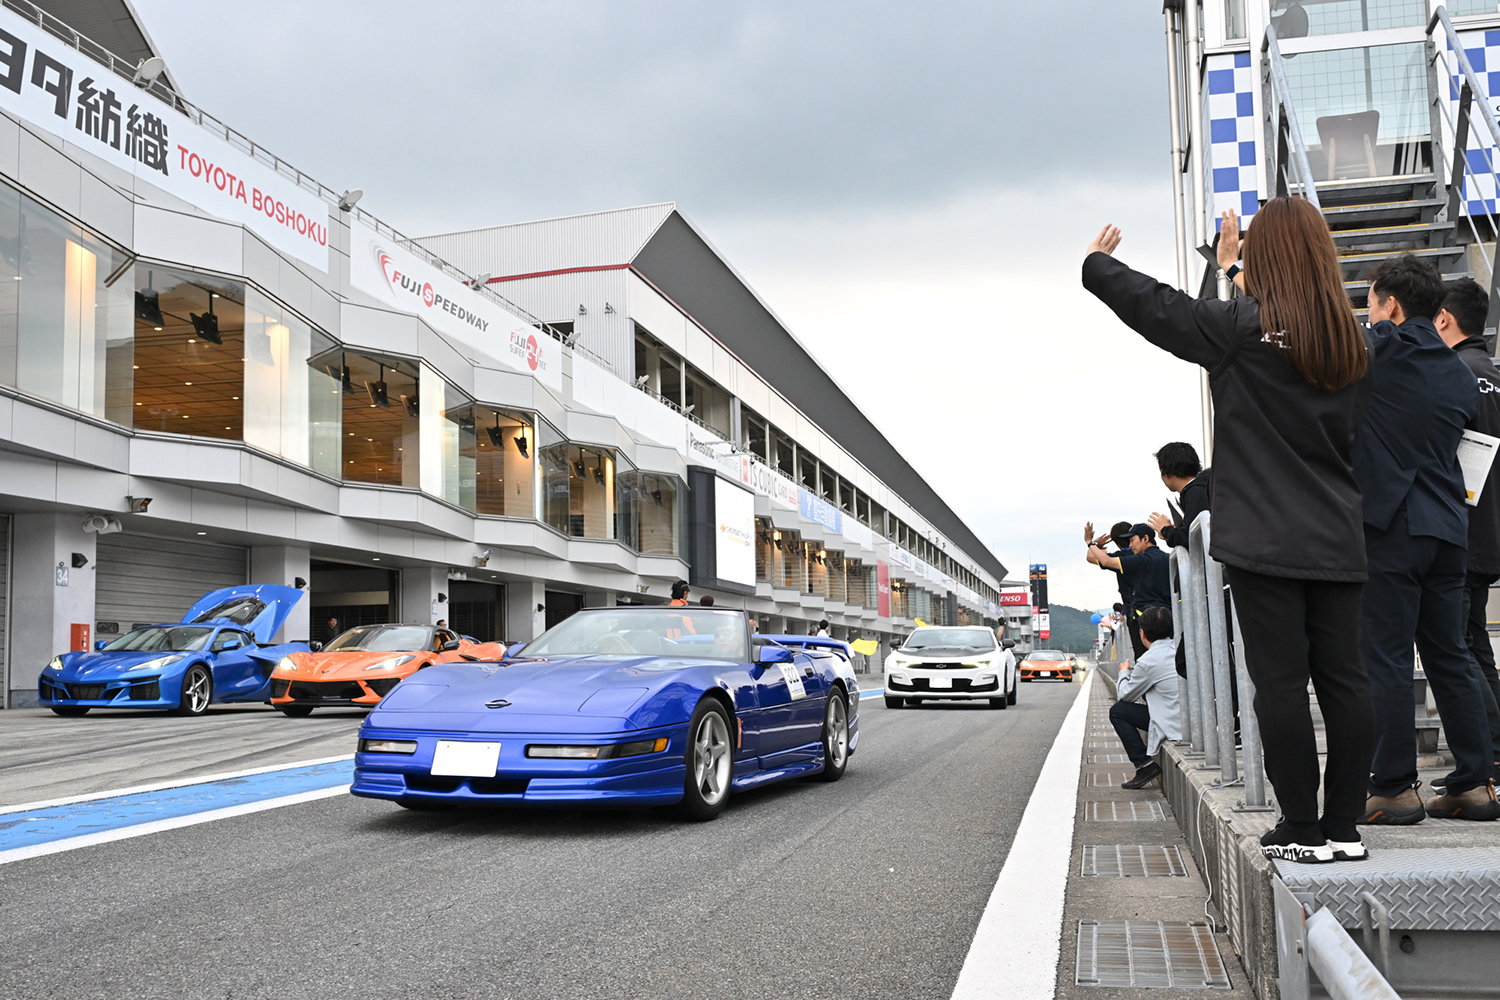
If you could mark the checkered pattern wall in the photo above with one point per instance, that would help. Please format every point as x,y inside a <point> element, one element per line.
<point>1229,110</point>
<point>1483,50</point>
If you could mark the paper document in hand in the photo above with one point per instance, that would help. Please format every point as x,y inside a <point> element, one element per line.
<point>1476,453</point>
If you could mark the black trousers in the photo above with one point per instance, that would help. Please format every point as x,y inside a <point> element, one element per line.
<point>1133,624</point>
<point>1295,630</point>
<point>1130,719</point>
<point>1415,593</point>
<point>1481,654</point>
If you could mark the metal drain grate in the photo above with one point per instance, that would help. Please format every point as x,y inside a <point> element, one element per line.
<point>1104,779</point>
<point>1132,861</point>
<point>1145,953</point>
<point>1108,758</point>
<point>1125,812</point>
<point>1103,743</point>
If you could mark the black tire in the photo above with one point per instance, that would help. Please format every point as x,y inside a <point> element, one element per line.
<point>709,757</point>
<point>197,691</point>
<point>295,711</point>
<point>835,736</point>
<point>890,702</point>
<point>1025,680</point>
<point>70,711</point>
<point>1010,698</point>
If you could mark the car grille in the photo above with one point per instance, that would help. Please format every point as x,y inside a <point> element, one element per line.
<point>146,691</point>
<point>326,691</point>
<point>50,690</point>
<point>85,691</point>
<point>942,666</point>
<point>278,688</point>
<point>383,686</point>
<point>959,684</point>
<point>479,786</point>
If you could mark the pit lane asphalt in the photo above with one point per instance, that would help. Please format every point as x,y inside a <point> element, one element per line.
<point>869,887</point>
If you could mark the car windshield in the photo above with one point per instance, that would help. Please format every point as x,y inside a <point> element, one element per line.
<point>383,639</point>
<point>240,610</point>
<point>162,639</point>
<point>679,632</point>
<point>950,640</point>
<point>1048,654</point>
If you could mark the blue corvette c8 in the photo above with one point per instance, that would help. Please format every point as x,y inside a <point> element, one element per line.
<point>218,652</point>
<point>615,706</point>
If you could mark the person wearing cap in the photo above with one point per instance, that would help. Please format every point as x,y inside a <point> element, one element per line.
<point>1146,570</point>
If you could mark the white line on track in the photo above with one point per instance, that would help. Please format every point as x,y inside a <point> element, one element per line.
<point>1015,949</point>
<point>157,826</point>
<point>174,783</point>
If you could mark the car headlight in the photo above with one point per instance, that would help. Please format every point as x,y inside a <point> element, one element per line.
<point>158,663</point>
<point>390,664</point>
<point>285,665</point>
<point>55,663</point>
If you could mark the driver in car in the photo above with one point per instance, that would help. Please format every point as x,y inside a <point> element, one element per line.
<point>728,637</point>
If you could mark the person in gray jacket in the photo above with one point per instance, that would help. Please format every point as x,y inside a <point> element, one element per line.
<point>1148,698</point>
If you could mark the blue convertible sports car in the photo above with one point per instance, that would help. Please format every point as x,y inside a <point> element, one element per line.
<point>217,652</point>
<point>617,706</point>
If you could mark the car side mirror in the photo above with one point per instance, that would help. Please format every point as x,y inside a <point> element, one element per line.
<point>99,644</point>
<point>315,646</point>
<point>774,654</point>
<point>450,645</point>
<point>515,650</point>
<point>1008,643</point>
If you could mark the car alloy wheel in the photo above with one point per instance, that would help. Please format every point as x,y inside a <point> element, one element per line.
<point>709,760</point>
<point>835,737</point>
<point>197,691</point>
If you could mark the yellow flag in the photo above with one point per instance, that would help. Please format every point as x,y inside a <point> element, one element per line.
<point>865,647</point>
<point>921,623</point>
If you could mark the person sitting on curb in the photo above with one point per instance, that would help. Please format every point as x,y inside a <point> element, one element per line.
<point>1153,678</point>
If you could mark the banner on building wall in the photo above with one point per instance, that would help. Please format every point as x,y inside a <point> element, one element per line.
<point>400,278</point>
<point>901,557</point>
<point>62,91</point>
<point>772,485</point>
<point>820,511</point>
<point>734,541</point>
<point>883,588</point>
<point>1015,598</point>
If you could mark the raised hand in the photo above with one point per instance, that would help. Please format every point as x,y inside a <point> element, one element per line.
<point>1158,522</point>
<point>1088,533</point>
<point>1229,239</point>
<point>1109,237</point>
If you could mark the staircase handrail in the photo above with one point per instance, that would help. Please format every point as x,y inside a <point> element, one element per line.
<point>1440,16</point>
<point>1281,92</point>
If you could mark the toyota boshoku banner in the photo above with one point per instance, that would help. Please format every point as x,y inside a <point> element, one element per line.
<point>403,280</point>
<point>61,91</point>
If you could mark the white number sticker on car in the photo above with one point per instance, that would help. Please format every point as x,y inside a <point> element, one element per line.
<point>793,681</point>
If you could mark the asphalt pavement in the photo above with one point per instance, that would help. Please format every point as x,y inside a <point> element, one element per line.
<point>869,887</point>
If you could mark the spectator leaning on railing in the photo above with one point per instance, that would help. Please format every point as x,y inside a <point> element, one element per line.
<point>1461,325</point>
<point>1290,381</point>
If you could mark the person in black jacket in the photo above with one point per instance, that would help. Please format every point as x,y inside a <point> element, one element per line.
<point>1416,534</point>
<point>1289,375</point>
<point>1461,324</point>
<point>1183,474</point>
<point>1119,536</point>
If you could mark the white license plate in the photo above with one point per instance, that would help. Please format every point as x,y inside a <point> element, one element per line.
<point>1046,673</point>
<point>464,759</point>
<point>940,682</point>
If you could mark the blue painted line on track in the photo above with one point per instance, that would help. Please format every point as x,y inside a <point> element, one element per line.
<point>42,826</point>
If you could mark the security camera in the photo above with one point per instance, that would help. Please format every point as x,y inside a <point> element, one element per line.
<point>137,505</point>
<point>483,558</point>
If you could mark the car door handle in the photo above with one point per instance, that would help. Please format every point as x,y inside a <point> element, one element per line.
<point>808,671</point>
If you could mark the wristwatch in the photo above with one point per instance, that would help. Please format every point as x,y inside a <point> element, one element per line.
<point>1231,271</point>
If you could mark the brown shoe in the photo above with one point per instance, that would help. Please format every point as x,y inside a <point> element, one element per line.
<point>1394,810</point>
<point>1477,803</point>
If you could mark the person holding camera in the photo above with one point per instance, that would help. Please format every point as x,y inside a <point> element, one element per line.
<point>1290,376</point>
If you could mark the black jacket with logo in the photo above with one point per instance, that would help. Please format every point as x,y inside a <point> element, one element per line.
<point>1484,520</point>
<point>1194,500</point>
<point>1285,500</point>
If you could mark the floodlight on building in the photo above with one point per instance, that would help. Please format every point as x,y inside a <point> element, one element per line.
<point>640,383</point>
<point>688,412</point>
<point>147,70</point>
<point>481,281</point>
<point>206,326</point>
<point>581,310</point>
<point>572,338</point>
<point>350,198</point>
<point>520,440</point>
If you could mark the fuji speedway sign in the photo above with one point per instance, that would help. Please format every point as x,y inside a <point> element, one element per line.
<point>404,281</point>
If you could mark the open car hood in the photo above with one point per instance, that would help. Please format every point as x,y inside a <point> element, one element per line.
<point>259,608</point>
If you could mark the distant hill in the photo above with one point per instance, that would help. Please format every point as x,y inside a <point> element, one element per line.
<point>1072,630</point>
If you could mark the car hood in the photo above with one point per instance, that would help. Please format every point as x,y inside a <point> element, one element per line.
<point>278,601</point>
<point>107,664</point>
<point>586,694</point>
<point>344,664</point>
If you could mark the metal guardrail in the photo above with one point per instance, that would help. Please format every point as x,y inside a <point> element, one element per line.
<point>1317,941</point>
<point>1205,619</point>
<point>1459,167</point>
<point>1288,164</point>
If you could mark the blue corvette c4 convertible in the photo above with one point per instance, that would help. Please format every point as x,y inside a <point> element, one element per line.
<point>218,652</point>
<point>614,706</point>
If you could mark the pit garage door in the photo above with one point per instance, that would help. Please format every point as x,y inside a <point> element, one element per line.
<point>145,581</point>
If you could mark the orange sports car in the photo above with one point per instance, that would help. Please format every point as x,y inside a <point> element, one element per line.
<point>360,666</point>
<point>1049,663</point>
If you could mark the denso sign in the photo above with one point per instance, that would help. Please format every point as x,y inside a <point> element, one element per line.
<point>400,278</point>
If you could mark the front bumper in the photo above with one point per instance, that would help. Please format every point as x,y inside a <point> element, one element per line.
<point>957,684</point>
<point>291,691</point>
<point>128,692</point>
<point>1051,673</point>
<point>647,780</point>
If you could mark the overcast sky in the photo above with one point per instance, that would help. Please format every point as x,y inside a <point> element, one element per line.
<point>910,186</point>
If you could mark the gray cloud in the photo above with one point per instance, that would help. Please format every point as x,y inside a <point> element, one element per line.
<point>452,115</point>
